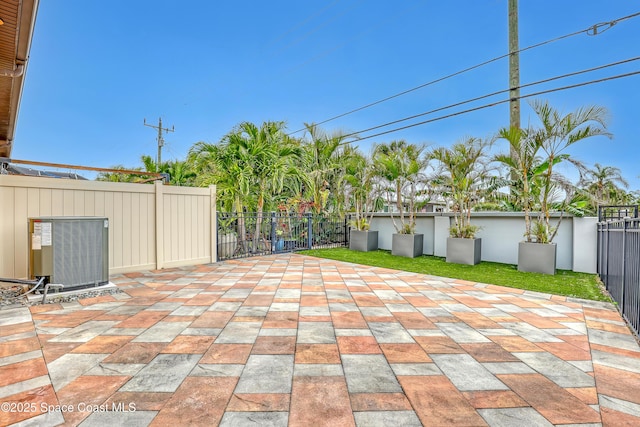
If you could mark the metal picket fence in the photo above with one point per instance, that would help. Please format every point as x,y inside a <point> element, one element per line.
<point>251,234</point>
<point>610,212</point>
<point>619,265</point>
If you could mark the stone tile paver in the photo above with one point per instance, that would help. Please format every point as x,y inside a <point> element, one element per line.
<point>508,417</point>
<point>198,401</point>
<point>266,374</point>
<point>292,340</point>
<point>369,373</point>
<point>466,373</point>
<point>439,403</point>
<point>557,370</point>
<point>164,373</point>
<point>257,419</point>
<point>387,418</point>
<point>320,401</point>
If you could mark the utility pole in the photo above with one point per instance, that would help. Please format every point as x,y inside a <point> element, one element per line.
<point>514,77</point>
<point>160,139</point>
<point>514,66</point>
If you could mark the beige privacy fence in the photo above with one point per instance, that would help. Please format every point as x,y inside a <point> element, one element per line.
<point>150,226</point>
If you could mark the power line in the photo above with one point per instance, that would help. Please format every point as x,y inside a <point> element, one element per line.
<point>592,31</point>
<point>493,104</point>
<point>319,26</point>
<point>301,23</point>
<point>346,41</point>
<point>588,70</point>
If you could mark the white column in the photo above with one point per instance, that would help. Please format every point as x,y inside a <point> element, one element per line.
<point>585,244</point>
<point>440,234</point>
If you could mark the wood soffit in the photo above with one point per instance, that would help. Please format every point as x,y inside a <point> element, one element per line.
<point>16,32</point>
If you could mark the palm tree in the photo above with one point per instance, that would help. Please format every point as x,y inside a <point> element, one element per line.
<point>118,176</point>
<point>220,165</point>
<point>348,159</point>
<point>322,165</point>
<point>268,154</point>
<point>602,182</point>
<point>149,164</point>
<point>536,152</point>
<point>521,162</point>
<point>401,165</point>
<point>361,188</point>
<point>249,167</point>
<point>462,176</point>
<point>180,173</point>
<point>558,133</point>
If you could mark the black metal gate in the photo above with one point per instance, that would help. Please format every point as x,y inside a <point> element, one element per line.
<point>619,265</point>
<point>249,234</point>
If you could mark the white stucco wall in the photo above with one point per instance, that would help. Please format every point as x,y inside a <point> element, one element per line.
<point>501,232</point>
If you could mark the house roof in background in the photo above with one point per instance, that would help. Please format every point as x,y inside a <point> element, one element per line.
<point>16,31</point>
<point>9,169</point>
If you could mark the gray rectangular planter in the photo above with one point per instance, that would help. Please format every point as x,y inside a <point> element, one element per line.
<point>407,245</point>
<point>537,257</point>
<point>363,240</point>
<point>464,251</point>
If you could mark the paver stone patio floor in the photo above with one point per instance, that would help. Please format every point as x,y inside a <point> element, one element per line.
<point>300,341</point>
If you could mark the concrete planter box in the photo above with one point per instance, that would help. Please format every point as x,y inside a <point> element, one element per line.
<point>363,240</point>
<point>464,251</point>
<point>537,257</point>
<point>407,245</point>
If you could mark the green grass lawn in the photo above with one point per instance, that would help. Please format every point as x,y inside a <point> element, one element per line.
<point>564,282</point>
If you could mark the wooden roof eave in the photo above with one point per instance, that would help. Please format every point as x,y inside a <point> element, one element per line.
<point>18,56</point>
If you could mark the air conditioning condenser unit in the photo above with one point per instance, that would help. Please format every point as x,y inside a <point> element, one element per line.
<point>72,251</point>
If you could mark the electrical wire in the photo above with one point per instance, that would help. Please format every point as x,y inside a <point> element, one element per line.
<point>319,27</point>
<point>592,31</point>
<point>588,70</point>
<point>303,22</point>
<point>349,40</point>
<point>493,104</point>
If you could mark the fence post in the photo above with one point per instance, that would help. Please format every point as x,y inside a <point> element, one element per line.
<point>606,264</point>
<point>346,231</point>
<point>624,263</point>
<point>159,193</point>
<point>272,232</point>
<point>599,249</point>
<point>214,229</point>
<point>309,230</point>
<point>215,242</point>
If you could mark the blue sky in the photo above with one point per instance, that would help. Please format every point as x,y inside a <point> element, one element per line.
<point>97,69</point>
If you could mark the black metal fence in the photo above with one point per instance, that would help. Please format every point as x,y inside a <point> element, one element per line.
<point>249,234</point>
<point>609,213</point>
<point>619,265</point>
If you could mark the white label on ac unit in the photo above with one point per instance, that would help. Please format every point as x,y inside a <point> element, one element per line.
<point>36,242</point>
<point>46,234</point>
<point>106,223</point>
